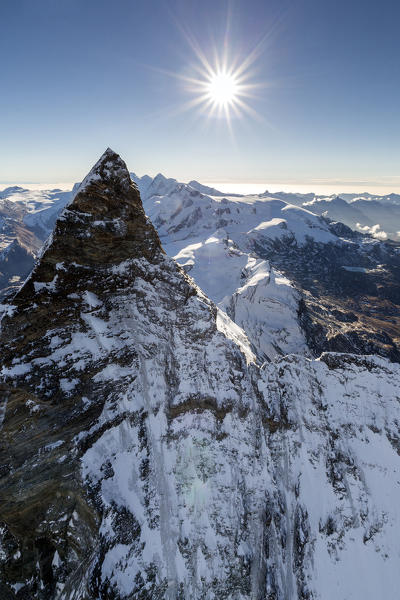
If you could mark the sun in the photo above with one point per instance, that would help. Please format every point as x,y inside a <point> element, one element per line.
<point>221,82</point>
<point>222,88</point>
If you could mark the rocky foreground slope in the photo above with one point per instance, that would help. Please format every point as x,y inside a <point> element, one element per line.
<point>145,453</point>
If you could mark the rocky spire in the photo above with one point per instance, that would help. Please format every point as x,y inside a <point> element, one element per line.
<point>104,224</point>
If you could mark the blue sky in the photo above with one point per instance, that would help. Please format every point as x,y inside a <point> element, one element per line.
<point>80,75</point>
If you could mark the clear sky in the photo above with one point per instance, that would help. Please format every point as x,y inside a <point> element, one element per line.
<point>77,76</point>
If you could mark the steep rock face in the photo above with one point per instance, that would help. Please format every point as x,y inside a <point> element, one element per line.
<point>119,399</point>
<point>332,520</point>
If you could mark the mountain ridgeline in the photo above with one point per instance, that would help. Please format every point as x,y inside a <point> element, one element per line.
<point>324,286</point>
<point>154,448</point>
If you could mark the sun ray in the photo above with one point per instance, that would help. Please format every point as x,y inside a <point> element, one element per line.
<point>221,80</point>
<point>223,85</point>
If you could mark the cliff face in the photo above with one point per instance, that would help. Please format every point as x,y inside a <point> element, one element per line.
<point>145,454</point>
<point>332,514</point>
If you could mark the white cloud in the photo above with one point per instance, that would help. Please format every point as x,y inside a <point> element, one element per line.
<point>375,231</point>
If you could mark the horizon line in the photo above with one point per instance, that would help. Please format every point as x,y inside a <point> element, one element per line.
<point>302,187</point>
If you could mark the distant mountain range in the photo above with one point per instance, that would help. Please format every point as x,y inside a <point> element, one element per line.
<point>303,264</point>
<point>322,285</point>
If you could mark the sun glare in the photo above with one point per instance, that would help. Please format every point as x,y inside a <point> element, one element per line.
<point>223,88</point>
<point>221,83</point>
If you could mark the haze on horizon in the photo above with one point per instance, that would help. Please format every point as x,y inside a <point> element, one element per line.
<point>298,93</point>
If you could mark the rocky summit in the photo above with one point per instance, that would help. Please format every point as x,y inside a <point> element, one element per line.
<point>145,451</point>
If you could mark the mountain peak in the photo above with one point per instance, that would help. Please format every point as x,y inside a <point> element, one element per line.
<point>110,172</point>
<point>104,224</point>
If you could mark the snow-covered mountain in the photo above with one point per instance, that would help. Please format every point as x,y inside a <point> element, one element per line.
<point>37,209</point>
<point>334,444</point>
<point>380,217</point>
<point>328,287</point>
<point>342,287</point>
<point>377,215</point>
<point>26,219</point>
<point>145,450</point>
